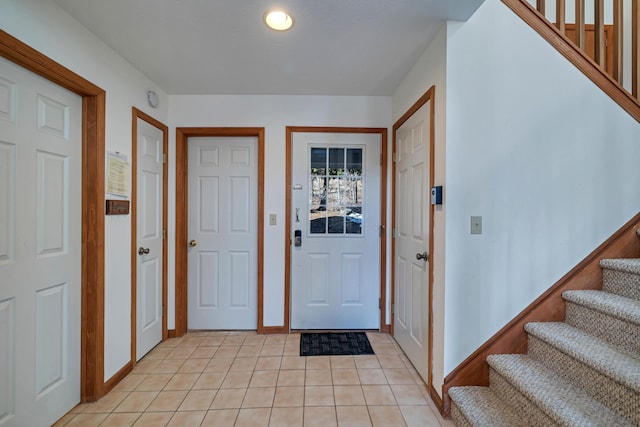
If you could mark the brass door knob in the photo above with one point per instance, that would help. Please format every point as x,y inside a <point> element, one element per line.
<point>143,251</point>
<point>192,243</point>
<point>423,255</point>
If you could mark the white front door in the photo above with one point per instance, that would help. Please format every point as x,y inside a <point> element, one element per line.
<point>223,233</point>
<point>40,248</point>
<point>335,220</point>
<point>149,237</point>
<point>412,230</point>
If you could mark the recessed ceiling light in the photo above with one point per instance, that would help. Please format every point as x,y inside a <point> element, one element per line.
<point>278,19</point>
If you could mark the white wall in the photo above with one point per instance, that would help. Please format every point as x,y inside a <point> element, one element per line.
<point>47,28</point>
<point>430,70</point>
<point>273,113</point>
<point>546,158</point>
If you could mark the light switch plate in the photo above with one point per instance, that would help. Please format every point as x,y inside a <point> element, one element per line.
<point>476,225</point>
<point>273,219</point>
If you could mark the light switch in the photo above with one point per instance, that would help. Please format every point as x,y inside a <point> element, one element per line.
<point>476,225</point>
<point>273,219</point>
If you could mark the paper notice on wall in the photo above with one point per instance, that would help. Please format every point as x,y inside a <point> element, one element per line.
<point>117,174</point>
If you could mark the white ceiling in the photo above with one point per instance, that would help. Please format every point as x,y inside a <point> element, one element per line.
<point>336,47</point>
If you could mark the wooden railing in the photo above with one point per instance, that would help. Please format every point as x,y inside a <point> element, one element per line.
<point>596,45</point>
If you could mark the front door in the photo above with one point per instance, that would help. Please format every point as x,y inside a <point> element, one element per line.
<point>335,220</point>
<point>150,235</point>
<point>40,248</point>
<point>223,233</point>
<point>412,234</point>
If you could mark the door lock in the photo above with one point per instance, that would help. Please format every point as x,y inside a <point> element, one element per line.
<point>143,251</point>
<point>423,255</point>
<point>192,243</point>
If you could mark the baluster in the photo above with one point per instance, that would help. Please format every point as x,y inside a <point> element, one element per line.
<point>600,56</point>
<point>617,40</point>
<point>635,43</point>
<point>540,5</point>
<point>560,15</point>
<point>580,24</point>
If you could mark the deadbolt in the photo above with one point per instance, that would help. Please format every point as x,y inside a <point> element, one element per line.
<point>192,243</point>
<point>143,251</point>
<point>423,255</point>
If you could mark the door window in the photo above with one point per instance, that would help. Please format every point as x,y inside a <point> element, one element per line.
<point>336,191</point>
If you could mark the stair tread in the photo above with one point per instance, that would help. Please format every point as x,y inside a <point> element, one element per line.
<point>628,265</point>
<point>589,350</point>
<point>560,400</point>
<point>483,407</point>
<point>613,305</point>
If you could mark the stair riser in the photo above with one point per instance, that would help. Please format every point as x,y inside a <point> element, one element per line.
<point>621,283</point>
<point>458,418</point>
<point>613,330</point>
<point>513,396</point>
<point>620,399</point>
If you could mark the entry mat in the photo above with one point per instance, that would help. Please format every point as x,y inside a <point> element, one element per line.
<point>334,344</point>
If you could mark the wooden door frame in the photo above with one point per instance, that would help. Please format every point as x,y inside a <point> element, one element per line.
<point>137,114</point>
<point>383,327</point>
<point>92,385</point>
<point>182,184</point>
<point>429,95</point>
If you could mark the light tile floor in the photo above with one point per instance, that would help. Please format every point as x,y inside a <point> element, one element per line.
<point>240,379</point>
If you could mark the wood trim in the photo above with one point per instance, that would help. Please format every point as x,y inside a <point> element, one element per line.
<point>573,53</point>
<point>138,114</point>
<point>635,47</point>
<point>383,197</point>
<point>549,307</point>
<point>429,95</point>
<point>117,377</point>
<point>93,154</point>
<point>383,226</point>
<point>435,397</point>
<point>274,330</point>
<point>541,6</point>
<point>182,169</point>
<point>171,333</point>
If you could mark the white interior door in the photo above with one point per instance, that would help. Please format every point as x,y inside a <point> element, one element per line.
<point>40,248</point>
<point>413,207</point>
<point>223,233</point>
<point>149,237</point>
<point>335,268</point>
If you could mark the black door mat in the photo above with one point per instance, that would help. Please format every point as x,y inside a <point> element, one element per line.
<point>334,344</point>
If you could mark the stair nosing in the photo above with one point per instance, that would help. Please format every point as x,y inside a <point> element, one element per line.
<point>606,303</point>
<point>490,397</point>
<point>625,265</point>
<point>559,390</point>
<point>620,372</point>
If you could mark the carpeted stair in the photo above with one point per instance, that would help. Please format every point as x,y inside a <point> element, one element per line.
<point>583,372</point>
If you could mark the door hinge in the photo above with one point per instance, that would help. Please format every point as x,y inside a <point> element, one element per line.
<point>395,233</point>
<point>393,308</point>
<point>381,230</point>
<point>395,157</point>
<point>380,159</point>
<point>164,234</point>
<point>164,158</point>
<point>379,303</point>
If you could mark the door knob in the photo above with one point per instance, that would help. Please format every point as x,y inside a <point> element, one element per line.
<point>143,251</point>
<point>192,243</point>
<point>423,255</point>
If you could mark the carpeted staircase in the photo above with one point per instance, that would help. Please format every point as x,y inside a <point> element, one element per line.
<point>583,372</point>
